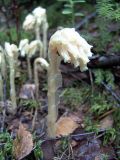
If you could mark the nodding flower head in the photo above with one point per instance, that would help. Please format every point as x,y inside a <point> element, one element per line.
<point>40,14</point>
<point>24,47</point>
<point>14,49</point>
<point>11,50</point>
<point>34,46</point>
<point>71,47</point>
<point>43,62</point>
<point>29,22</point>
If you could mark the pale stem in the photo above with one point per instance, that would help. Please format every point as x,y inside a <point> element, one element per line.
<point>44,40</point>
<point>37,32</point>
<point>36,79</point>
<point>1,88</point>
<point>54,82</point>
<point>12,85</point>
<point>41,51</point>
<point>29,68</point>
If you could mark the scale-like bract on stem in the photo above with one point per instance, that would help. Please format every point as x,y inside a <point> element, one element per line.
<point>72,48</point>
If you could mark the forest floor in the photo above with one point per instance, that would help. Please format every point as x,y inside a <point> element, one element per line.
<point>88,113</point>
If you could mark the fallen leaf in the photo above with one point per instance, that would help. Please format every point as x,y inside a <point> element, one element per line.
<point>48,149</point>
<point>27,91</point>
<point>66,126</point>
<point>74,143</point>
<point>106,122</point>
<point>88,150</point>
<point>23,144</point>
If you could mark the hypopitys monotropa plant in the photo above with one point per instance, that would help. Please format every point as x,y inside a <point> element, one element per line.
<point>29,50</point>
<point>12,57</point>
<point>37,20</point>
<point>68,45</point>
<point>40,64</point>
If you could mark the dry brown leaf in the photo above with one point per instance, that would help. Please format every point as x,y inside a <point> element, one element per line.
<point>65,126</point>
<point>23,144</point>
<point>74,143</point>
<point>106,122</point>
<point>27,91</point>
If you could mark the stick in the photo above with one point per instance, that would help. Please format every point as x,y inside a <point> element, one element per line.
<point>109,89</point>
<point>85,20</point>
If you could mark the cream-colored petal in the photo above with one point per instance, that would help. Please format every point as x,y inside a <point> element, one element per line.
<point>42,62</point>
<point>29,22</point>
<point>8,49</point>
<point>71,46</point>
<point>64,55</point>
<point>34,46</point>
<point>22,43</point>
<point>40,14</point>
<point>24,47</point>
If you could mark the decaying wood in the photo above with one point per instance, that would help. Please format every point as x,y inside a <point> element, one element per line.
<point>85,20</point>
<point>105,61</point>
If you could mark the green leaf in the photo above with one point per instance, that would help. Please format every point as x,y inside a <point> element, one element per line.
<point>62,0</point>
<point>78,1</point>
<point>79,14</point>
<point>66,11</point>
<point>67,6</point>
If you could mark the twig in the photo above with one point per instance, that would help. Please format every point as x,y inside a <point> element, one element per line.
<point>85,20</point>
<point>71,149</point>
<point>109,89</point>
<point>107,113</point>
<point>63,154</point>
<point>74,136</point>
<point>35,114</point>
<point>34,118</point>
<point>91,80</point>
<point>104,61</point>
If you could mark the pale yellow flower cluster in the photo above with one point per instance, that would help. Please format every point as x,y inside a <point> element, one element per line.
<point>35,18</point>
<point>43,62</point>
<point>29,48</point>
<point>71,46</point>
<point>11,50</point>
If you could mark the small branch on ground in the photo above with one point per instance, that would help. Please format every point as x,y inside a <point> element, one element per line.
<point>109,89</point>
<point>105,61</point>
<point>76,136</point>
<point>85,20</point>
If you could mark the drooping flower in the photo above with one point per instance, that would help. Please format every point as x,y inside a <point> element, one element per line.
<point>29,22</point>
<point>11,49</point>
<point>24,47</point>
<point>40,14</point>
<point>71,46</point>
<point>68,45</point>
<point>34,46</point>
